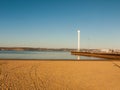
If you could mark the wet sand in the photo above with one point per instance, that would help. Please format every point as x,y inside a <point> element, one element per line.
<point>59,75</point>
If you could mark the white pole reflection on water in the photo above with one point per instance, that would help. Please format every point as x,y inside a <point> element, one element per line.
<point>78,57</point>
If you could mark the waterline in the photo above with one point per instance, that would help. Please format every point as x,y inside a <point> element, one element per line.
<point>40,55</point>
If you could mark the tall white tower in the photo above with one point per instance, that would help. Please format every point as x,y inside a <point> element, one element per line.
<point>78,40</point>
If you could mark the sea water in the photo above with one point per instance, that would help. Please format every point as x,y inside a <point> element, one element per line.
<point>40,55</point>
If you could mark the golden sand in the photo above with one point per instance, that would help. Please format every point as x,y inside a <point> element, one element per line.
<point>59,75</point>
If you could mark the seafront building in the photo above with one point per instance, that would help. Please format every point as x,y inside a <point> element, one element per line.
<point>101,50</point>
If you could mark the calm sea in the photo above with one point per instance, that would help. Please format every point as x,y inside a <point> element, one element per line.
<point>40,55</point>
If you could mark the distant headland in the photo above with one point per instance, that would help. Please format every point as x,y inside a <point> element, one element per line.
<point>33,49</point>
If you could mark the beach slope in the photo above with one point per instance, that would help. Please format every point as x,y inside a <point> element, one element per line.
<point>59,75</point>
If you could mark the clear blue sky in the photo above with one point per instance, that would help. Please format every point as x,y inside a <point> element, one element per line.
<point>54,23</point>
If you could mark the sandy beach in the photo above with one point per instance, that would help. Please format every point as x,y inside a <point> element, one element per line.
<point>59,75</point>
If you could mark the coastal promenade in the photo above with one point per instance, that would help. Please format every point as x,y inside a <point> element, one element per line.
<point>59,75</point>
<point>95,54</point>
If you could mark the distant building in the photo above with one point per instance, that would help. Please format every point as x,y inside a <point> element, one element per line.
<point>105,50</point>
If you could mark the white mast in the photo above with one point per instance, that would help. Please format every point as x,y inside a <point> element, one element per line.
<point>78,40</point>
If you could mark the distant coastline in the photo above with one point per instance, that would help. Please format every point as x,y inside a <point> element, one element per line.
<point>33,49</point>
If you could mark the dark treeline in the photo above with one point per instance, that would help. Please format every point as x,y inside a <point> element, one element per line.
<point>34,49</point>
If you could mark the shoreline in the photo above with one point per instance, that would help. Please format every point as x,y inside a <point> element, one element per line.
<point>62,59</point>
